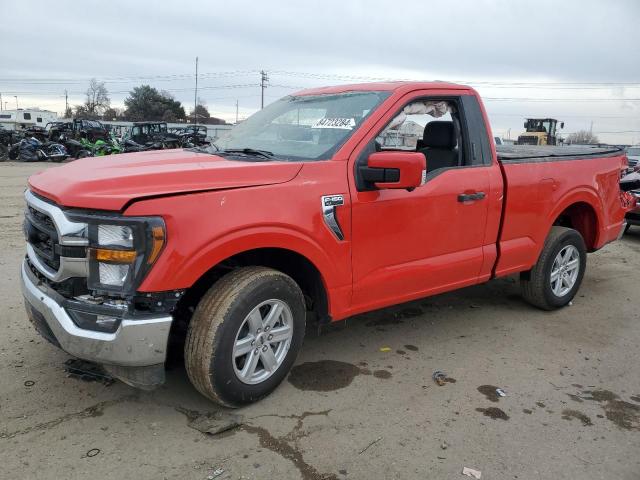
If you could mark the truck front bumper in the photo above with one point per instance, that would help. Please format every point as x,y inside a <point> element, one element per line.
<point>135,352</point>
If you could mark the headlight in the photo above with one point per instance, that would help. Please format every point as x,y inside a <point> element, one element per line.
<point>122,250</point>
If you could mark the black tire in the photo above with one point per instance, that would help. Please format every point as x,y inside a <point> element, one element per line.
<point>626,229</point>
<point>83,154</point>
<point>536,284</point>
<point>217,321</point>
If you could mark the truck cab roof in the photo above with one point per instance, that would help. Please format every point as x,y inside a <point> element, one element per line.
<point>397,86</point>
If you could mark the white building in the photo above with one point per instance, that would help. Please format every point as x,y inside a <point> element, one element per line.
<point>26,117</point>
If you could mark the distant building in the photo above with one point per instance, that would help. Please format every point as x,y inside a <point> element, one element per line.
<point>26,117</point>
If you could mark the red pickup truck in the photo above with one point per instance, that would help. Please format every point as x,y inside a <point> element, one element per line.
<point>327,203</point>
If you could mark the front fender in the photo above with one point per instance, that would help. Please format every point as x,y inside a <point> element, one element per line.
<point>178,271</point>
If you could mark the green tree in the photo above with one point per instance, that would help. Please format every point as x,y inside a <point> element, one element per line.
<point>201,111</point>
<point>147,103</point>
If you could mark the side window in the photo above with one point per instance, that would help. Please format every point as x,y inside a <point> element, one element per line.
<point>39,119</point>
<point>429,126</point>
<point>26,116</point>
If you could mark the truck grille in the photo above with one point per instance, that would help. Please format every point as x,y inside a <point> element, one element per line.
<point>40,233</point>
<point>527,140</point>
<point>56,246</point>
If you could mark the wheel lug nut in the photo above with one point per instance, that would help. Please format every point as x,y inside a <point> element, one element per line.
<point>253,343</point>
<point>269,337</point>
<point>266,329</point>
<point>264,349</point>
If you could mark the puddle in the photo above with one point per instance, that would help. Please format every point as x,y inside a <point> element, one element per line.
<point>571,414</point>
<point>329,375</point>
<point>489,391</point>
<point>493,412</point>
<point>624,414</point>
<point>323,376</point>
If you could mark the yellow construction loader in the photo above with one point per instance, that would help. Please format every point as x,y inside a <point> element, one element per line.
<point>539,131</point>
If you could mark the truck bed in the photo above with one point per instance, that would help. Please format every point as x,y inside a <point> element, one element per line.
<point>532,153</point>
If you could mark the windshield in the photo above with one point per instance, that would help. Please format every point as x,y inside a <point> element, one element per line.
<point>635,151</point>
<point>309,127</point>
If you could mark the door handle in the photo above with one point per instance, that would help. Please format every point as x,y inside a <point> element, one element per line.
<point>468,197</point>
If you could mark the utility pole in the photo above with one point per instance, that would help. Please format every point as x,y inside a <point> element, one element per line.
<point>263,84</point>
<point>195,97</point>
<point>0,101</point>
<point>66,103</point>
<point>236,112</point>
<point>15,127</point>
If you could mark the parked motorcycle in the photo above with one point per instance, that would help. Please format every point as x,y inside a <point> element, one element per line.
<point>33,150</point>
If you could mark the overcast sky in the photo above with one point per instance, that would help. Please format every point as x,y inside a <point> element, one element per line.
<point>578,61</point>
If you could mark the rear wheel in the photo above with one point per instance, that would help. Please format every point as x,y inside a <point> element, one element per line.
<point>245,335</point>
<point>556,277</point>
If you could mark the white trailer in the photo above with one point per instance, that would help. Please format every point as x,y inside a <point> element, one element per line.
<point>26,117</point>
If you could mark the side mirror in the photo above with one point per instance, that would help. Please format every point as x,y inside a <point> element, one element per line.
<point>561,125</point>
<point>395,169</point>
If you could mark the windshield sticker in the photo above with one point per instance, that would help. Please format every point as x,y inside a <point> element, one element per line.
<point>342,123</point>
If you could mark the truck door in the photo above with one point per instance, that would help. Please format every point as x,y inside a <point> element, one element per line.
<point>407,244</point>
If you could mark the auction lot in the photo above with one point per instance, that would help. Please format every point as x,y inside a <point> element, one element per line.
<point>360,404</point>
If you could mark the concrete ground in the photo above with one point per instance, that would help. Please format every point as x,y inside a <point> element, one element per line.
<point>360,403</point>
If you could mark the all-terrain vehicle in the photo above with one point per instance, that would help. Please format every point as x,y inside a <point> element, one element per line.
<point>155,134</point>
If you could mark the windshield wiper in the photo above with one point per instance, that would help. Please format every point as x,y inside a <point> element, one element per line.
<point>206,149</point>
<point>249,151</point>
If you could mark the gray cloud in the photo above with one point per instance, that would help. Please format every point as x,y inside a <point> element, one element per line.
<point>504,41</point>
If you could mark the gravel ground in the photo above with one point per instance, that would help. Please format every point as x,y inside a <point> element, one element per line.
<point>360,403</point>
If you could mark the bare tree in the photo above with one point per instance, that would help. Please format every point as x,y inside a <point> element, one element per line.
<point>583,137</point>
<point>97,98</point>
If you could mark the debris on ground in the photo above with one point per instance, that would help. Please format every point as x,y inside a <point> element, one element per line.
<point>93,452</point>
<point>29,383</point>
<point>370,445</point>
<point>439,377</point>
<point>470,472</point>
<point>87,371</point>
<point>216,473</point>
<point>444,445</point>
<point>385,349</point>
<point>215,423</point>
<point>500,392</point>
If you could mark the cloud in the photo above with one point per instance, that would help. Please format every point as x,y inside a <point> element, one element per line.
<point>473,40</point>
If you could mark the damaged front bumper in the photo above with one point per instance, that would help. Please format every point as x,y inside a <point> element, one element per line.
<point>135,353</point>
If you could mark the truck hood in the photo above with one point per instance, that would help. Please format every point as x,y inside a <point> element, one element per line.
<point>111,182</point>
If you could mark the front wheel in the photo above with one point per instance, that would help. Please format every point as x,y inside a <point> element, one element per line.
<point>556,277</point>
<point>245,335</point>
